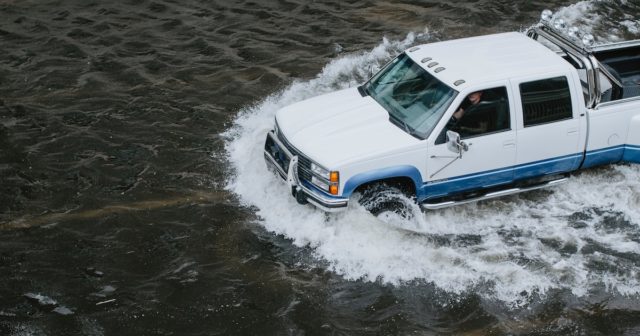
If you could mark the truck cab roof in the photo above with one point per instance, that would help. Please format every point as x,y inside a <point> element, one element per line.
<point>483,59</point>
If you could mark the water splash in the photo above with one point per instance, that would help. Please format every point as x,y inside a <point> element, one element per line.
<point>577,237</point>
<point>608,21</point>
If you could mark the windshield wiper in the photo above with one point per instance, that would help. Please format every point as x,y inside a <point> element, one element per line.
<point>399,81</point>
<point>404,124</point>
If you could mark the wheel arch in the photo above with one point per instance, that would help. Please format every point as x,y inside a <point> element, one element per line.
<point>407,176</point>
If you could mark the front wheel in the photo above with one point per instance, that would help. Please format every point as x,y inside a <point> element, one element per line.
<point>381,197</point>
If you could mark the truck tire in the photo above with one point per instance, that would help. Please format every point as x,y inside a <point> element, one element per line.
<point>382,197</point>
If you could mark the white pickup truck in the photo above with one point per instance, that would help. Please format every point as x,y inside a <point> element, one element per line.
<point>465,120</point>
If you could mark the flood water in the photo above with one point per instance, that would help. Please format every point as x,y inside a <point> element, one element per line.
<point>134,199</point>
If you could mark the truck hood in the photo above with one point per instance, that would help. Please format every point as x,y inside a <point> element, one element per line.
<point>340,127</point>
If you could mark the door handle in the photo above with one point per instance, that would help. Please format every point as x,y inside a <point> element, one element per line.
<point>509,143</point>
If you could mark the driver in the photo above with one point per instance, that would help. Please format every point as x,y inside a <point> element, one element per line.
<point>472,99</point>
<point>466,129</point>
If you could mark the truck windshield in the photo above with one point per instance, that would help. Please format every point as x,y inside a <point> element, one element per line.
<point>414,98</point>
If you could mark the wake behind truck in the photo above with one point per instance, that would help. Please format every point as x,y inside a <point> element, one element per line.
<point>465,120</point>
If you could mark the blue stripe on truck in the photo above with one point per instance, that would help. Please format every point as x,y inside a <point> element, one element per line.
<point>603,156</point>
<point>631,154</point>
<point>499,176</point>
<point>428,190</point>
<point>465,182</point>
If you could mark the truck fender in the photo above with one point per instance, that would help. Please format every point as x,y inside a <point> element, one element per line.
<point>407,171</point>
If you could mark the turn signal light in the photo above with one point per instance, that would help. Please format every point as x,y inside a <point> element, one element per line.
<point>334,177</point>
<point>333,189</point>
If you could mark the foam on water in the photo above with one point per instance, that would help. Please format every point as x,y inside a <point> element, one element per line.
<point>579,236</point>
<point>595,17</point>
<point>581,15</point>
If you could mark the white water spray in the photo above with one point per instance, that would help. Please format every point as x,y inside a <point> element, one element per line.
<point>575,236</point>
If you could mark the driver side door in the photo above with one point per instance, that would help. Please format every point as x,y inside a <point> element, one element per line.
<point>491,152</point>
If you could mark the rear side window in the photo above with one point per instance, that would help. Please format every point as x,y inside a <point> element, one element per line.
<point>545,101</point>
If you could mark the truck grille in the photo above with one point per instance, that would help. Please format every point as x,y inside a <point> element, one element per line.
<point>304,164</point>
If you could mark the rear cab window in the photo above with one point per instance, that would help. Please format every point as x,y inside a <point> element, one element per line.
<point>545,101</point>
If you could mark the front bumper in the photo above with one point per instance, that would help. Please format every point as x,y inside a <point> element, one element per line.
<point>285,163</point>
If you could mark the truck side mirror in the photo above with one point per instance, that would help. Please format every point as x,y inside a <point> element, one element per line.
<point>454,143</point>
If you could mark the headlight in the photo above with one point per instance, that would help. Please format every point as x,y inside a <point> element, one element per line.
<point>588,40</point>
<point>559,24</point>
<point>324,179</point>
<point>321,172</point>
<point>320,183</point>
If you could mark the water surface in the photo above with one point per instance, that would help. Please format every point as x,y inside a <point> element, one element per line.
<point>134,199</point>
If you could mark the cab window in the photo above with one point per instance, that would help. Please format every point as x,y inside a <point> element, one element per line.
<point>481,113</point>
<point>545,101</point>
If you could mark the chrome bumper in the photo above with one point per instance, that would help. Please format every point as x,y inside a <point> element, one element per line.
<point>299,190</point>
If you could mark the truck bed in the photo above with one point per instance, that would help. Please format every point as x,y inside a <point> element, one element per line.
<point>624,64</point>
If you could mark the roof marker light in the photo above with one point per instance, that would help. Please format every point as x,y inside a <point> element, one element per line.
<point>414,49</point>
<point>459,82</point>
<point>438,69</point>
<point>432,64</point>
<point>426,59</point>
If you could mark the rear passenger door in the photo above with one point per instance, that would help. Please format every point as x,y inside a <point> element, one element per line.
<point>548,126</point>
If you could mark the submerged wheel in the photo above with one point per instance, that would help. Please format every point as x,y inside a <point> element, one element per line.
<point>382,197</point>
